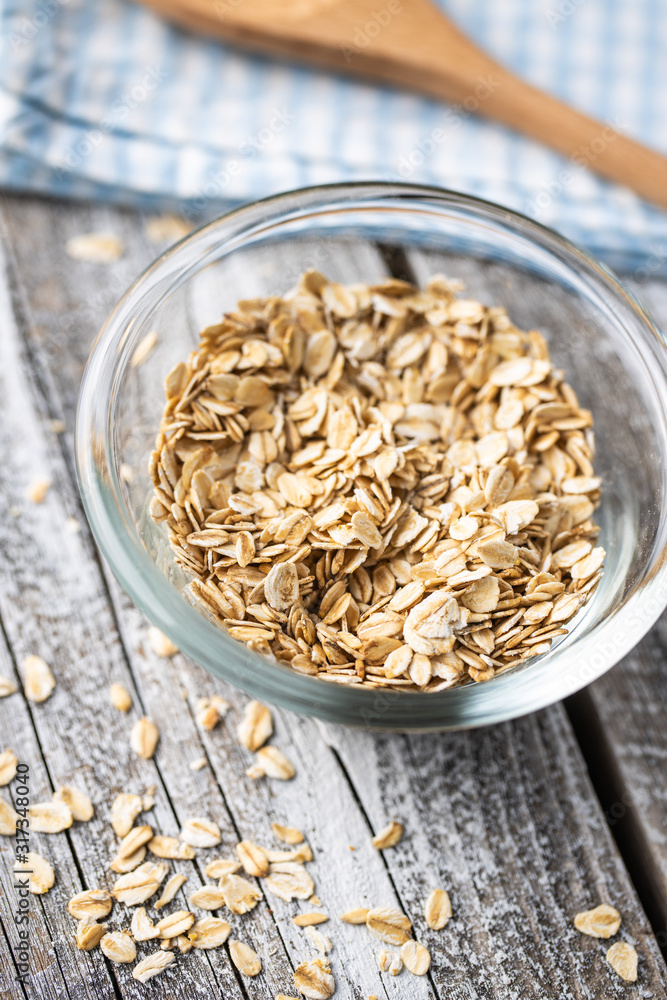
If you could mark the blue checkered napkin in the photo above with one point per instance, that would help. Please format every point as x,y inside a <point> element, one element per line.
<point>102,99</point>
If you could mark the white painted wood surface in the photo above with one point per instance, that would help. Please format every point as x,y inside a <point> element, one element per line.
<point>505,819</point>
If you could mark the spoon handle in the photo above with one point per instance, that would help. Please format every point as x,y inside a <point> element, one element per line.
<point>419,48</point>
<point>586,142</point>
<point>443,62</point>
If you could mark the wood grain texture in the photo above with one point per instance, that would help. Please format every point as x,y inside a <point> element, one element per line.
<point>621,718</point>
<point>504,818</point>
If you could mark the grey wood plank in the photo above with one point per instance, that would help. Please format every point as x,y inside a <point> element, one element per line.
<point>480,808</point>
<point>49,930</point>
<point>10,985</point>
<point>506,820</point>
<point>53,952</point>
<point>621,719</point>
<point>54,603</point>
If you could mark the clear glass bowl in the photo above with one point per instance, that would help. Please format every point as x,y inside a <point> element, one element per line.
<point>599,334</point>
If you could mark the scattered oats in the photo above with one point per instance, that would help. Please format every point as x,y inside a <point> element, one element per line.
<point>314,979</point>
<point>290,880</point>
<point>244,958</point>
<point>300,854</point>
<point>15,511</point>
<point>283,996</point>
<point>437,909</point>
<point>118,946</point>
<point>50,817</point>
<point>400,470</point>
<point>358,916</point>
<point>135,839</point>
<point>396,965</point>
<point>37,490</point>
<point>143,349</point>
<point>308,919</point>
<point>198,832</point>
<point>171,887</point>
<point>8,764</point>
<point>602,922</point>
<point>197,764</point>
<point>57,426</point>
<point>8,819</point>
<point>42,875</point>
<point>383,960</point>
<point>208,897</point>
<point>80,805</point>
<point>120,697</point>
<point>142,927</point>
<point>274,763</point>
<point>160,644</point>
<point>240,896</point>
<point>153,965</point>
<point>288,834</point>
<point>321,942</point>
<point>139,885</point>
<point>623,959</point>
<point>124,811</point>
<point>211,710</point>
<point>166,228</point>
<point>252,858</point>
<point>255,771</point>
<point>209,932</point>
<point>123,863</point>
<point>38,681</point>
<point>72,526</point>
<point>170,847</point>
<point>175,924</point>
<point>388,836</point>
<point>96,248</point>
<point>7,687</point>
<point>91,903</point>
<point>389,924</point>
<point>144,738</point>
<point>416,958</point>
<point>315,900</point>
<point>89,933</point>
<point>256,726</point>
<point>222,866</point>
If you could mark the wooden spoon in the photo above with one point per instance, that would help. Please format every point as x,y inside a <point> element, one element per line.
<point>410,42</point>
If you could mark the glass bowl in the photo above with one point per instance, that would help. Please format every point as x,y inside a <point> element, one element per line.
<point>598,333</point>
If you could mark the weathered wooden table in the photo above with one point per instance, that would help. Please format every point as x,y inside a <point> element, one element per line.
<point>525,824</point>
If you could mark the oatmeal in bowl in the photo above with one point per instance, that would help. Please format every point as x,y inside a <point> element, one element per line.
<point>379,485</point>
<point>386,484</point>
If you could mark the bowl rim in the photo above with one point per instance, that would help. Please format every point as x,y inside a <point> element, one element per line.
<point>151,591</point>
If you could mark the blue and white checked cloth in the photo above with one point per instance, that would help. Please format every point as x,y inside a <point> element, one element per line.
<point>102,99</point>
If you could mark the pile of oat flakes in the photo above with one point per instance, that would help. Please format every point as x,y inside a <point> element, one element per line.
<point>379,485</point>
